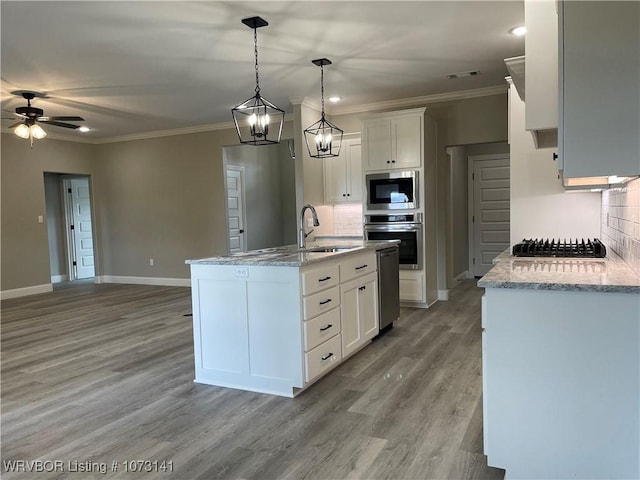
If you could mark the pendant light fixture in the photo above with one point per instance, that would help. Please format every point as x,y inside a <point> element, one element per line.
<point>323,138</point>
<point>259,119</point>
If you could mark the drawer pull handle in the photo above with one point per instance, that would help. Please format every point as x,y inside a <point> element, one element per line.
<point>324,279</point>
<point>325,302</point>
<point>326,328</point>
<point>362,266</point>
<point>327,356</point>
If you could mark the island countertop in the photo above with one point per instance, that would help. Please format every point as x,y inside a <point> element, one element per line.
<point>610,274</point>
<point>293,256</point>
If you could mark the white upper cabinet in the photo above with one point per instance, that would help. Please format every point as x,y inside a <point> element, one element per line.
<point>599,89</point>
<point>541,71</point>
<point>343,174</point>
<point>393,141</point>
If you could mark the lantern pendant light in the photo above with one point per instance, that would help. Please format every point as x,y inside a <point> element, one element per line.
<point>263,119</point>
<point>323,138</point>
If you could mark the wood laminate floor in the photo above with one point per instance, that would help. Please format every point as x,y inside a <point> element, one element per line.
<point>104,373</point>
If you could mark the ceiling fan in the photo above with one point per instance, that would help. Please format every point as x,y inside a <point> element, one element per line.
<point>30,117</point>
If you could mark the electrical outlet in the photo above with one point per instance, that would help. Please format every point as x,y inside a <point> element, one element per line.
<point>242,272</point>
<point>151,262</point>
<point>40,219</point>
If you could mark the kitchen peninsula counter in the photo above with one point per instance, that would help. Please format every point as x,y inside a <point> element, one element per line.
<point>560,367</point>
<point>610,274</point>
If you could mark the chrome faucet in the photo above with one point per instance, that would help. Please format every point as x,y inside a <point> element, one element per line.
<point>302,238</point>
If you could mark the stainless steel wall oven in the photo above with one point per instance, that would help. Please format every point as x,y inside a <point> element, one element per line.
<point>404,227</point>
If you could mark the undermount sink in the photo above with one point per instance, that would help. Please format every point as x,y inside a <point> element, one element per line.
<point>326,249</point>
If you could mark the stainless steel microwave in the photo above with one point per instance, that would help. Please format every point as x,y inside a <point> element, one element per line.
<point>392,190</point>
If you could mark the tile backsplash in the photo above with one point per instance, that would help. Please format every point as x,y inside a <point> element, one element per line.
<point>347,219</point>
<point>621,222</point>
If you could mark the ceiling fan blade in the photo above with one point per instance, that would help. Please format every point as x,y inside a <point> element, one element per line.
<point>15,125</point>
<point>58,124</point>
<point>66,119</point>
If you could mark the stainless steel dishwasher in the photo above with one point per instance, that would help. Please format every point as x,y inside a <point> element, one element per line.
<point>388,287</point>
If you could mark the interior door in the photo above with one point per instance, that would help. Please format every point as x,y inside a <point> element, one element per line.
<point>491,206</point>
<point>235,208</point>
<point>81,228</point>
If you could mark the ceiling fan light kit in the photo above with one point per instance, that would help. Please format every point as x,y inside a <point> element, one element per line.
<point>263,119</point>
<point>323,139</point>
<point>28,127</point>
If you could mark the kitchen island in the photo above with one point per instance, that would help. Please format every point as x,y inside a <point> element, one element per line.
<point>561,367</point>
<point>276,320</point>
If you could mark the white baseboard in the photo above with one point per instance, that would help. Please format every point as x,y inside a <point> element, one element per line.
<point>443,295</point>
<point>167,282</point>
<point>461,277</point>
<point>59,278</point>
<point>26,291</point>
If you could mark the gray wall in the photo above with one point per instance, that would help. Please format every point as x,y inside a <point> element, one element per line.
<point>269,178</point>
<point>55,224</point>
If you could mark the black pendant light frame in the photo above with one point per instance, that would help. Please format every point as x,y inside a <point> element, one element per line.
<point>323,139</point>
<point>257,113</point>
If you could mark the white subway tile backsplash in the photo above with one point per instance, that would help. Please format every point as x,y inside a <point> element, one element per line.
<point>621,222</point>
<point>347,219</point>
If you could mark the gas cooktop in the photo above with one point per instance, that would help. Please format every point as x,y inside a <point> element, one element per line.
<point>590,248</point>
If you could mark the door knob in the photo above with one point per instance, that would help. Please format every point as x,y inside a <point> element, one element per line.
<point>241,231</point>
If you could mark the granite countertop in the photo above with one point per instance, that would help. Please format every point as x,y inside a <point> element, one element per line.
<point>291,256</point>
<point>610,274</point>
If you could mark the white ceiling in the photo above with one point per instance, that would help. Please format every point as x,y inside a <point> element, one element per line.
<point>136,67</point>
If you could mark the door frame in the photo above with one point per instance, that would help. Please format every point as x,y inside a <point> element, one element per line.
<point>471,159</point>
<point>68,217</point>
<point>238,168</point>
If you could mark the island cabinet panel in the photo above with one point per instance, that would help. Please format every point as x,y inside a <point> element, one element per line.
<point>561,383</point>
<point>247,327</point>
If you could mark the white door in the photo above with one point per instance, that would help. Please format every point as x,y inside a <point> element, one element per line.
<point>490,212</point>
<point>80,228</point>
<point>235,208</point>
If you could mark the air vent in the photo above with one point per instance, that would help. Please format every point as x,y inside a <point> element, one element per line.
<point>470,73</point>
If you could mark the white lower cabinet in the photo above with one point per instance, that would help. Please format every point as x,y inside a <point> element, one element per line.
<point>412,287</point>
<point>359,306</point>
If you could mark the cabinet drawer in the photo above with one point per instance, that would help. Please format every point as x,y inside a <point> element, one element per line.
<point>320,278</point>
<point>322,358</point>
<point>321,328</point>
<point>357,265</point>
<point>321,302</point>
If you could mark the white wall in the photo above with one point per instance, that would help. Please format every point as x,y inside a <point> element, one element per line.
<point>621,222</point>
<point>540,207</point>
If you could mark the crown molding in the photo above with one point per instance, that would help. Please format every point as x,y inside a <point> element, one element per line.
<point>305,101</point>
<point>427,99</point>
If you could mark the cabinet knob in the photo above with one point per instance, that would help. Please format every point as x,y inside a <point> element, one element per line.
<point>344,194</point>
<point>388,161</point>
<point>393,161</point>
<point>555,156</point>
<point>348,194</point>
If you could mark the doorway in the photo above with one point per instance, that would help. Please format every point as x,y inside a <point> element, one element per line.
<point>235,208</point>
<point>69,227</point>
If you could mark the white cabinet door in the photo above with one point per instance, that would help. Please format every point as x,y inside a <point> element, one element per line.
<point>343,174</point>
<point>359,314</point>
<point>599,89</point>
<point>393,141</point>
<point>376,143</point>
<point>406,142</point>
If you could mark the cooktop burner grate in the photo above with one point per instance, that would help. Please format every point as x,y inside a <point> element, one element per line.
<point>590,248</point>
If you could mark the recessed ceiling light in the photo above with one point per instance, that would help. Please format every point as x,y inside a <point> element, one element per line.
<point>335,99</point>
<point>84,129</point>
<point>518,31</point>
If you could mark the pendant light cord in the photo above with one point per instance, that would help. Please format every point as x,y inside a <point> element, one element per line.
<point>322,89</point>
<point>255,49</point>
